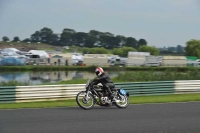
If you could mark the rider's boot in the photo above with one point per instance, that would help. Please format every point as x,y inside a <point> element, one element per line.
<point>112,97</point>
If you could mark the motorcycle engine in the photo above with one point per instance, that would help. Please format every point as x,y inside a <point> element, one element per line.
<point>104,100</point>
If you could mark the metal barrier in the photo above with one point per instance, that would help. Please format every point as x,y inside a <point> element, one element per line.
<point>148,88</point>
<point>7,94</point>
<point>69,91</point>
<point>47,92</point>
<point>187,86</point>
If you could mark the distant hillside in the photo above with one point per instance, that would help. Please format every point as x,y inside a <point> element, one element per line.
<point>27,46</point>
<point>23,46</point>
<point>39,46</point>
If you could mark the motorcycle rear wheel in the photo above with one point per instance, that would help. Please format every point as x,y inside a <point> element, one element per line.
<point>122,101</point>
<point>83,102</point>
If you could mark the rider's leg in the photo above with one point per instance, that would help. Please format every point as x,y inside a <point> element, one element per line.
<point>109,91</point>
<point>108,88</point>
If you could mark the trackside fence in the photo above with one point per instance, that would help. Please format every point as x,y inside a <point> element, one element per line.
<point>148,88</point>
<point>69,91</point>
<point>187,86</point>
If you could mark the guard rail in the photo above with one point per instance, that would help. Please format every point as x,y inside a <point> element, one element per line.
<point>69,91</point>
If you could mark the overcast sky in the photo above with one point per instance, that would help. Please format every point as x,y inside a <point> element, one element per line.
<point>160,22</point>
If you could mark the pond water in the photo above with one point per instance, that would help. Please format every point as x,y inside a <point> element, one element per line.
<point>48,77</point>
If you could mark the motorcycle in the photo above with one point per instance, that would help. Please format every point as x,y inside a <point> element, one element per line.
<point>95,94</point>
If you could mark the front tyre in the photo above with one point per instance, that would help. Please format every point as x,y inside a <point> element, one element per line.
<point>122,101</point>
<point>83,102</point>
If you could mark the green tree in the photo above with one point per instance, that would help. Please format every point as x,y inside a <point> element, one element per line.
<point>100,50</point>
<point>80,38</point>
<point>171,49</point>
<point>27,40</point>
<point>115,42</point>
<point>90,41</point>
<point>193,48</point>
<point>131,42</point>
<point>36,37</point>
<point>95,33</point>
<point>122,40</point>
<point>85,50</point>
<point>67,37</point>
<point>93,39</point>
<point>47,36</point>
<point>5,39</point>
<point>152,50</point>
<point>179,49</point>
<point>54,39</point>
<point>123,52</point>
<point>106,40</point>
<point>141,42</point>
<point>16,39</point>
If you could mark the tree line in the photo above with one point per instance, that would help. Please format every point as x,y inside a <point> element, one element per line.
<point>97,39</point>
<point>70,37</point>
<point>193,48</point>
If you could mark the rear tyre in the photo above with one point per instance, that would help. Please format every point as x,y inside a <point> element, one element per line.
<point>122,101</point>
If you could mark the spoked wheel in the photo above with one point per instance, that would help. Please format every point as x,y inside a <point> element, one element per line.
<point>122,101</point>
<point>83,102</point>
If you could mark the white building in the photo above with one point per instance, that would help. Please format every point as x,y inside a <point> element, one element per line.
<point>61,59</point>
<point>137,58</point>
<point>96,59</point>
<point>153,61</point>
<point>173,61</point>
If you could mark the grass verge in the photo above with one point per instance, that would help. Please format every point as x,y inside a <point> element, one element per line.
<point>92,68</point>
<point>133,100</point>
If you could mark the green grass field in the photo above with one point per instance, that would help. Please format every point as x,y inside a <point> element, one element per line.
<point>133,100</point>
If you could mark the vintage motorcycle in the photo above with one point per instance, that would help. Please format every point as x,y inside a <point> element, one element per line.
<point>95,94</point>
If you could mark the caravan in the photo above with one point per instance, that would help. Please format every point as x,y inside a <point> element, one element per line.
<point>117,61</point>
<point>36,57</point>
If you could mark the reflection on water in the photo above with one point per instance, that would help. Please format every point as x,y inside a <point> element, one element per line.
<point>47,77</point>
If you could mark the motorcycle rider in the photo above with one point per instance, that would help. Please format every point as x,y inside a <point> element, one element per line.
<point>105,80</point>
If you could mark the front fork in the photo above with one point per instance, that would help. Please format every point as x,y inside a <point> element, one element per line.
<point>87,93</point>
<point>94,92</point>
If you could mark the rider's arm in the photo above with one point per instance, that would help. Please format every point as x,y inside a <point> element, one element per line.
<point>102,77</point>
<point>95,81</point>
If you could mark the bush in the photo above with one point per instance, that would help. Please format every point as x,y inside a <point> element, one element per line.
<point>144,76</point>
<point>14,83</point>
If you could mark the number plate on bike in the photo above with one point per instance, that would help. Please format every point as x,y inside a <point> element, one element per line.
<point>123,92</point>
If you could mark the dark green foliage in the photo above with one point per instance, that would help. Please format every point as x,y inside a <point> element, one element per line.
<point>89,68</point>
<point>70,37</point>
<point>123,51</point>
<point>16,39</point>
<point>193,48</point>
<point>5,39</point>
<point>152,50</point>
<point>14,83</point>
<point>167,75</point>
<point>47,68</point>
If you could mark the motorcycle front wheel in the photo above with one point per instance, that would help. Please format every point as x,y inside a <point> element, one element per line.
<point>122,101</point>
<point>83,102</point>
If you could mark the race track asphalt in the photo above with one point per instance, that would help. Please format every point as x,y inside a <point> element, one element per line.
<point>146,118</point>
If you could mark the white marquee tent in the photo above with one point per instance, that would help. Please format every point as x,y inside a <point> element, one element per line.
<point>41,53</point>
